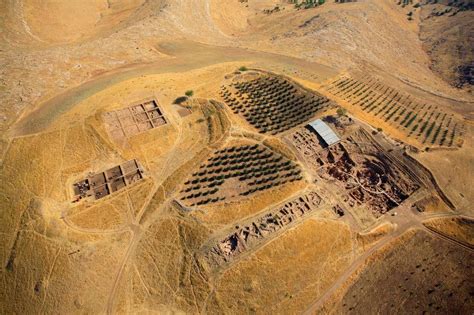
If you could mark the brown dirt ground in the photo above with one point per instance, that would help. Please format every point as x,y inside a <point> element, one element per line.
<point>408,284</point>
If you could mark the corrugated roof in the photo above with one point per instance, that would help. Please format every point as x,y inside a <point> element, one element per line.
<point>328,135</point>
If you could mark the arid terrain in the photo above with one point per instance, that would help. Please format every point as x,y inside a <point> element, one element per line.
<point>236,157</point>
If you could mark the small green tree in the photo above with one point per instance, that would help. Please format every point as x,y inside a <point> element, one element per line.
<point>243,68</point>
<point>341,112</point>
<point>189,93</point>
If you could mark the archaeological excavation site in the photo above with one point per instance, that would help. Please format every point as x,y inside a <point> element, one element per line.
<point>236,157</point>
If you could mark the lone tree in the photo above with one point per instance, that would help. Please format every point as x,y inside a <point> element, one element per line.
<point>341,112</point>
<point>189,93</point>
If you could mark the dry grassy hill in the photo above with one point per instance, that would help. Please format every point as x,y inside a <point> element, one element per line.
<point>446,31</point>
<point>156,157</point>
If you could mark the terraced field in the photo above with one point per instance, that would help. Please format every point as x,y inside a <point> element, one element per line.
<point>427,123</point>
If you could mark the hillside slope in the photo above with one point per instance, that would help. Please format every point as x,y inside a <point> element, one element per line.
<point>447,33</point>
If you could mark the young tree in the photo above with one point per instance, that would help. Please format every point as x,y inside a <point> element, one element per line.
<point>341,112</point>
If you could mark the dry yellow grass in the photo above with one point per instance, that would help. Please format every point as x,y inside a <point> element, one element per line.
<point>138,196</point>
<point>57,262</point>
<point>219,215</point>
<point>103,217</point>
<point>286,274</point>
<point>450,167</point>
<point>164,274</point>
<point>459,228</point>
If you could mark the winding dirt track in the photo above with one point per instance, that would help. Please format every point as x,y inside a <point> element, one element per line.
<point>183,56</point>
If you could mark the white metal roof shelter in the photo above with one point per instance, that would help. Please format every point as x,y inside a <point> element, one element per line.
<point>328,135</point>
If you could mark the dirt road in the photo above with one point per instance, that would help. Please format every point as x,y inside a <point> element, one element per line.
<point>183,56</point>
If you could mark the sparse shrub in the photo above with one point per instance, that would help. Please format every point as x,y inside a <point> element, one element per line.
<point>243,68</point>
<point>189,93</point>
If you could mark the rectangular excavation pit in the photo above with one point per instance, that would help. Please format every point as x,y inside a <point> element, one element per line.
<point>111,180</point>
<point>117,184</point>
<point>137,109</point>
<point>101,191</point>
<point>81,186</point>
<point>150,105</point>
<point>142,117</point>
<point>133,120</point>
<point>113,173</point>
<point>133,177</point>
<point>127,121</point>
<point>129,166</point>
<point>160,121</point>
<point>154,114</point>
<point>98,180</point>
<point>131,130</point>
<point>144,126</point>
